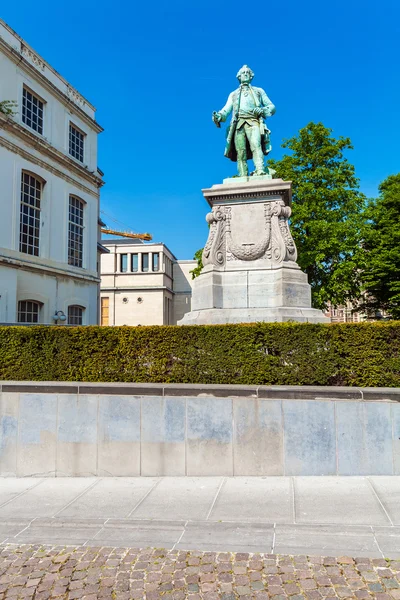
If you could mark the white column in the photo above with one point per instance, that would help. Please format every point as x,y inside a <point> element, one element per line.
<point>150,261</point>
<point>140,262</point>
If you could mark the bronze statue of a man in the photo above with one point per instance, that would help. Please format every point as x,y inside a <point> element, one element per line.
<point>247,135</point>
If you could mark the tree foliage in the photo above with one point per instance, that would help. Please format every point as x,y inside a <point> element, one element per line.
<point>381,269</point>
<point>7,107</point>
<point>197,270</point>
<point>327,220</point>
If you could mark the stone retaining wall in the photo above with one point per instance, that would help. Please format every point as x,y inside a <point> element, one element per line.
<point>62,429</point>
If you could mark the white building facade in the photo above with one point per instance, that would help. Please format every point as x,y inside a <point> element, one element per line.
<point>49,201</point>
<point>143,284</point>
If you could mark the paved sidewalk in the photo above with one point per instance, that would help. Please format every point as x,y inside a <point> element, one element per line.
<point>43,573</point>
<point>335,516</point>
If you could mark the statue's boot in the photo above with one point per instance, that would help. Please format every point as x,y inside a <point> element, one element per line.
<point>242,168</point>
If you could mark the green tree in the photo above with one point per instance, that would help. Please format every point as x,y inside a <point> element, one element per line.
<point>381,269</point>
<point>328,212</point>
<point>197,270</point>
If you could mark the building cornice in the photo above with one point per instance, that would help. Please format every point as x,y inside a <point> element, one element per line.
<point>26,265</point>
<point>42,146</point>
<point>72,100</point>
<point>45,165</point>
<point>141,288</point>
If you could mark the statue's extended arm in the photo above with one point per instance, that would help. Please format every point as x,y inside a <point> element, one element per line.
<point>224,112</point>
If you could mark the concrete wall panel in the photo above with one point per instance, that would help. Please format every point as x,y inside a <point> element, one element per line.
<point>395,408</point>
<point>118,436</point>
<point>209,436</point>
<point>364,433</point>
<point>8,434</point>
<point>163,436</point>
<point>258,437</point>
<point>37,435</point>
<point>309,437</point>
<point>77,435</point>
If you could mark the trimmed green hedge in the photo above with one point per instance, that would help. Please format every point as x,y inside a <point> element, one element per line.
<point>365,354</point>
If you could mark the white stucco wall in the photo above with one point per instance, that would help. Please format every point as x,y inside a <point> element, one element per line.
<point>47,276</point>
<point>150,298</point>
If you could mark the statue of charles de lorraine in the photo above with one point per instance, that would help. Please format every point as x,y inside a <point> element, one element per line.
<point>247,136</point>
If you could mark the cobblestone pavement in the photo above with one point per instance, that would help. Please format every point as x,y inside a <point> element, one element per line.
<point>79,572</point>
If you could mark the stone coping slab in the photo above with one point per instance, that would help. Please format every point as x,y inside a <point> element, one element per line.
<point>290,392</point>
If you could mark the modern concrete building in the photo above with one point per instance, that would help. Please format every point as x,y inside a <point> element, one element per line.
<point>50,182</point>
<point>143,284</point>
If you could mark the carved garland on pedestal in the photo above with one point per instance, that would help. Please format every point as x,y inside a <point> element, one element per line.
<point>277,244</point>
<point>214,250</point>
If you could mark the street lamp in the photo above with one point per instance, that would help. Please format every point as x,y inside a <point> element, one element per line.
<point>59,316</point>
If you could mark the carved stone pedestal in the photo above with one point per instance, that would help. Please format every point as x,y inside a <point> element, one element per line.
<point>250,272</point>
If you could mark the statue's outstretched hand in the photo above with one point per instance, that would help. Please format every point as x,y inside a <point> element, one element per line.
<point>217,118</point>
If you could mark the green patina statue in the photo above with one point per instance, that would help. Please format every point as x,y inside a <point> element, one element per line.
<point>247,135</point>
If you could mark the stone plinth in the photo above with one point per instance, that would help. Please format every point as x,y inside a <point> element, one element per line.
<point>250,272</point>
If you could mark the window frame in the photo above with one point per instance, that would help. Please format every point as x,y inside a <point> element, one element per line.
<point>104,305</point>
<point>135,255</point>
<point>123,262</point>
<point>72,316</point>
<point>31,213</point>
<point>31,312</point>
<point>76,231</point>
<point>72,144</point>
<point>39,128</point>
<point>155,264</point>
<point>145,269</point>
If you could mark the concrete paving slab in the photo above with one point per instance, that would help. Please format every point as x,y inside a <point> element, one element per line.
<point>13,486</point>
<point>10,529</point>
<point>125,535</point>
<point>325,541</point>
<point>341,500</point>
<point>388,539</point>
<point>267,499</point>
<point>140,523</point>
<point>180,498</point>
<point>388,491</point>
<point>56,535</point>
<point>110,498</point>
<point>47,498</point>
<point>229,536</point>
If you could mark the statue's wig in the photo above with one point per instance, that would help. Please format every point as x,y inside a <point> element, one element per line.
<point>240,72</point>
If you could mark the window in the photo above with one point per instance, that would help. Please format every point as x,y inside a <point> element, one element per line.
<point>76,139</point>
<point>145,262</point>
<point>123,263</point>
<point>75,232</point>
<point>135,263</point>
<point>28,311</point>
<point>32,111</point>
<point>105,311</point>
<point>31,191</point>
<point>156,261</point>
<point>75,315</point>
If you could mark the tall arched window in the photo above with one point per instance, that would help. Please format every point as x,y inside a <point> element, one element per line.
<point>75,314</point>
<point>75,231</point>
<point>31,195</point>
<point>28,311</point>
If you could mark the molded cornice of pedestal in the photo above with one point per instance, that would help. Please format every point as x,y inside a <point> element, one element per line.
<point>257,189</point>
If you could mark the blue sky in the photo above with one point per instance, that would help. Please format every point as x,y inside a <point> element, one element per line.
<point>156,70</point>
